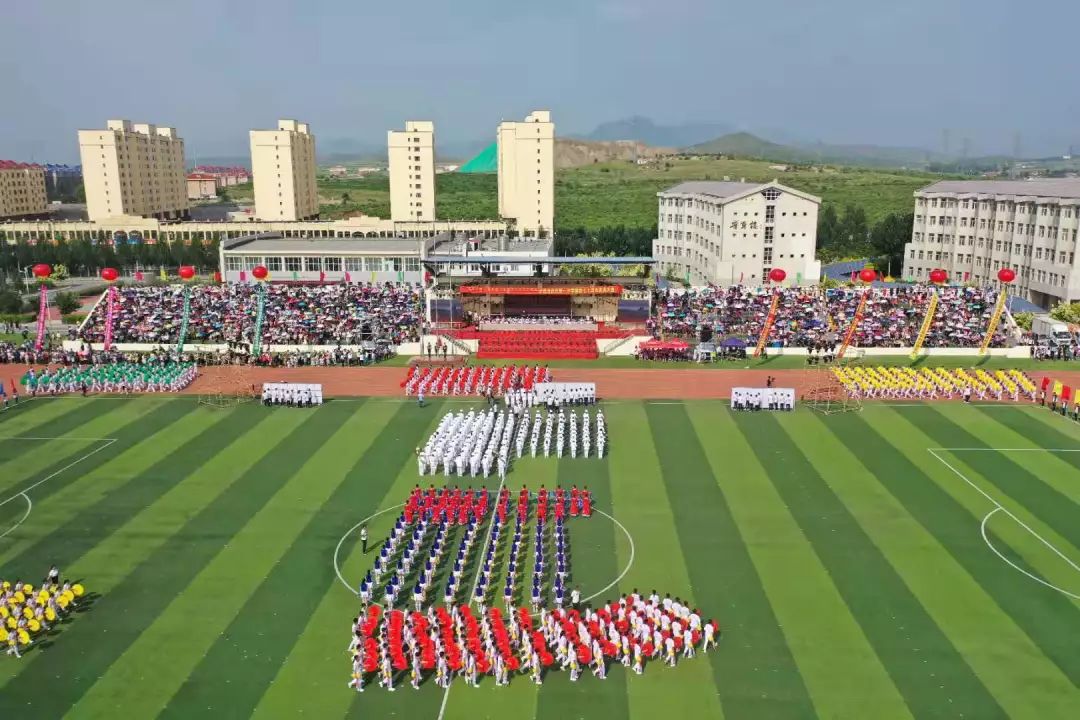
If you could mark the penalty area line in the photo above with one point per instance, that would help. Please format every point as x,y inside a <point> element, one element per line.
<point>998,507</point>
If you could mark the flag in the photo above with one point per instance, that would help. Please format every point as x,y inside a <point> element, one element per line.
<point>967,276</point>
<point>798,278</point>
<point>1045,382</point>
<point>163,275</point>
<point>740,278</point>
<point>348,277</point>
<point>854,275</point>
<point>401,276</point>
<point>14,390</point>
<point>295,275</point>
<point>243,276</point>
<point>322,276</point>
<point>372,276</point>
<point>3,392</point>
<point>1066,393</point>
<point>138,276</point>
<point>1057,388</point>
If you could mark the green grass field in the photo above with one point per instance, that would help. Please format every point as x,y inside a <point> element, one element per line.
<point>611,194</point>
<point>845,561</point>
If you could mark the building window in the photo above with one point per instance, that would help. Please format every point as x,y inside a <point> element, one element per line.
<point>273,264</point>
<point>233,263</point>
<point>292,264</point>
<point>412,264</point>
<point>771,193</point>
<point>332,264</point>
<point>373,264</point>
<point>354,264</point>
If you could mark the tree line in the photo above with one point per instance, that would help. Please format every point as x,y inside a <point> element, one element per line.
<point>84,258</point>
<point>850,235</point>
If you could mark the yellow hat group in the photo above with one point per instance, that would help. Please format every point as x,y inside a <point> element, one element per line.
<point>904,383</point>
<point>27,611</point>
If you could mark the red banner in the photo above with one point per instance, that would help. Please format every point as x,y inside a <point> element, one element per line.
<point>541,290</point>
<point>109,312</point>
<point>43,311</point>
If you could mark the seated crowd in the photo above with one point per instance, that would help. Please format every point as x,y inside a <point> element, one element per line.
<point>339,314</point>
<point>808,317</point>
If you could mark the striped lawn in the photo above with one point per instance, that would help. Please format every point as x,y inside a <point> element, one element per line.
<point>844,561</point>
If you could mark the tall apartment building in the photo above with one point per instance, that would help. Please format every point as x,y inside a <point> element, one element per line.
<point>735,232</point>
<point>412,171</point>
<point>22,189</point>
<point>526,164</point>
<point>134,169</point>
<point>283,163</point>
<point>973,228</point>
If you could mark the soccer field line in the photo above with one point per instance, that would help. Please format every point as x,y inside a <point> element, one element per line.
<point>58,437</point>
<point>29,507</point>
<point>1036,578</point>
<point>1029,449</point>
<point>337,550</point>
<point>107,442</point>
<point>998,507</point>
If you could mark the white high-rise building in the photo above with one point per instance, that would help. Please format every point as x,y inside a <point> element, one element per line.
<point>526,164</point>
<point>731,233</point>
<point>283,165</point>
<point>973,228</point>
<point>412,171</point>
<point>22,189</point>
<point>133,169</point>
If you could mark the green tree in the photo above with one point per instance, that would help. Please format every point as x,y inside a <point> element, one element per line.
<point>345,199</point>
<point>854,231</point>
<point>67,302</point>
<point>1024,319</point>
<point>10,302</point>
<point>1066,312</point>
<point>887,240</point>
<point>828,233</point>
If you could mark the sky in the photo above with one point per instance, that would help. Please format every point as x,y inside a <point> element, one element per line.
<point>840,71</point>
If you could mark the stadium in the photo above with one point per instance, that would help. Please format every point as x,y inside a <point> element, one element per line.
<point>465,477</point>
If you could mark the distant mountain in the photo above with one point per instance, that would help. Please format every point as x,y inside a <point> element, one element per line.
<point>747,145</point>
<point>574,153</point>
<point>644,130</point>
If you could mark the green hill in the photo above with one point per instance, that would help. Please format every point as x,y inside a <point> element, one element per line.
<point>744,144</point>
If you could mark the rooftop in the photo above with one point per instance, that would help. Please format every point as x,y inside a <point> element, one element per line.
<point>511,259</point>
<point>14,165</point>
<point>443,245</point>
<point>1041,187</point>
<point>715,188</point>
<point>321,246</point>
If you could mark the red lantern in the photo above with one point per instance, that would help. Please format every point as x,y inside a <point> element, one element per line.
<point>938,276</point>
<point>260,272</point>
<point>42,270</point>
<point>777,275</point>
<point>109,274</point>
<point>867,275</point>
<point>186,272</point>
<point>1006,275</point>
